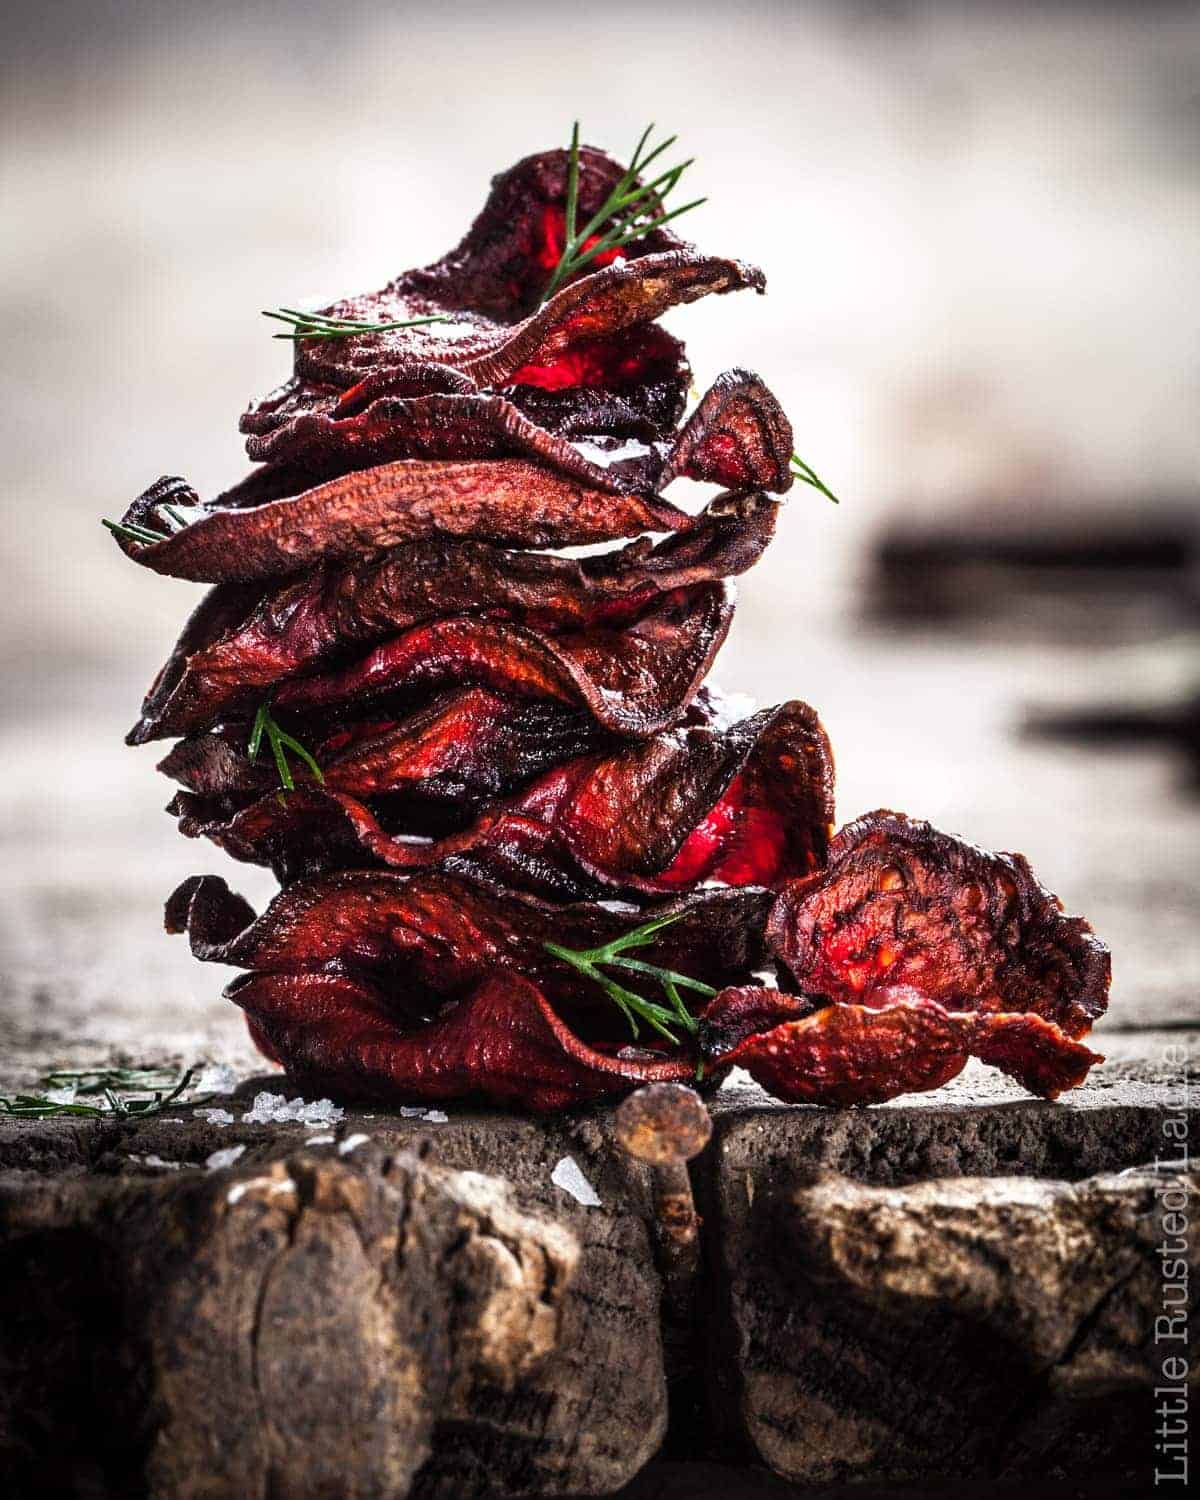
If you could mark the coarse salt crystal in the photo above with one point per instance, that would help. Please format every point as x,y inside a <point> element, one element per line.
<point>215,1116</point>
<point>566,1175</point>
<point>215,1078</point>
<point>272,1109</point>
<point>224,1158</point>
<point>352,1143</point>
<point>320,1140</point>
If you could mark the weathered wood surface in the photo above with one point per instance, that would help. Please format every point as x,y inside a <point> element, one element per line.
<point>320,1324</point>
<point>403,1306</point>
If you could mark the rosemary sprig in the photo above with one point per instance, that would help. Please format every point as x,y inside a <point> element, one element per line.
<point>311,325</point>
<point>105,1083</point>
<point>806,475</point>
<point>630,212</point>
<point>133,532</point>
<point>280,742</point>
<point>588,962</point>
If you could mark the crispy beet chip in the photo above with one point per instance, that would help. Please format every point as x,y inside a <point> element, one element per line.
<point>635,679</point>
<point>457,751</point>
<point>491,285</point>
<point>245,638</point>
<point>902,904</point>
<point>502,500</point>
<point>737,437</point>
<point>633,387</point>
<point>901,1043</point>
<point>434,937</point>
<point>752,805</point>
<point>503,1043</point>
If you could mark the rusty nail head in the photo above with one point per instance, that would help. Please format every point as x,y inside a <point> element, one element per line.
<point>663,1123</point>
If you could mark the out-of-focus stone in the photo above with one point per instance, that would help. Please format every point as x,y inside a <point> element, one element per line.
<point>311,1325</point>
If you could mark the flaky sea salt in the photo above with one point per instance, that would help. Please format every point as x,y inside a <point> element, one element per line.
<point>419,1112</point>
<point>566,1175</point>
<point>352,1143</point>
<point>224,1158</point>
<point>157,1161</point>
<point>215,1078</point>
<point>62,1096</point>
<point>215,1116</point>
<point>274,1109</point>
<point>320,1140</point>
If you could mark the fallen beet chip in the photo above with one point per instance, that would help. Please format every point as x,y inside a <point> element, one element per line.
<point>902,904</point>
<point>866,1054</point>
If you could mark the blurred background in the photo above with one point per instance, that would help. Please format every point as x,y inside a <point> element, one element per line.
<point>981,232</point>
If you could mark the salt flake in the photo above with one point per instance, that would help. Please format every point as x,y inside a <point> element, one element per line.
<point>215,1078</point>
<point>215,1116</point>
<point>352,1143</point>
<point>224,1158</point>
<point>566,1175</point>
<point>274,1109</point>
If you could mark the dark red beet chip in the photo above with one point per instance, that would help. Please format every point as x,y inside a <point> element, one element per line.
<point>750,805</point>
<point>509,501</point>
<point>634,679</point>
<point>458,750</point>
<point>503,1042</point>
<point>246,638</point>
<point>492,282</point>
<point>434,937</point>
<point>865,1054</point>
<point>902,904</point>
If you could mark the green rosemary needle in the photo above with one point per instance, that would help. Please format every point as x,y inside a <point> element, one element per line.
<point>104,1083</point>
<point>588,962</point>
<point>311,325</point>
<point>280,742</point>
<point>630,212</point>
<point>135,533</point>
<point>801,471</point>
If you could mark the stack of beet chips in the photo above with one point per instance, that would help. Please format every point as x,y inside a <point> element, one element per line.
<point>473,761</point>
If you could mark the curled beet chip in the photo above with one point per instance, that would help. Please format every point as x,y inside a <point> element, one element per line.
<point>902,904</point>
<point>510,501</point>
<point>490,285</point>
<point>749,805</point>
<point>865,1054</point>
<point>433,937</point>
<point>457,751</point>
<point>737,437</point>
<point>246,638</point>
<point>503,1042</point>
<point>634,679</point>
<point>632,388</point>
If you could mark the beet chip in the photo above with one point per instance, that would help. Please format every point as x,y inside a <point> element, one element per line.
<point>278,522</point>
<point>750,805</point>
<point>491,285</point>
<point>634,679</point>
<point>433,937</point>
<point>902,904</point>
<point>244,639</point>
<point>503,1043</point>
<point>901,1043</point>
